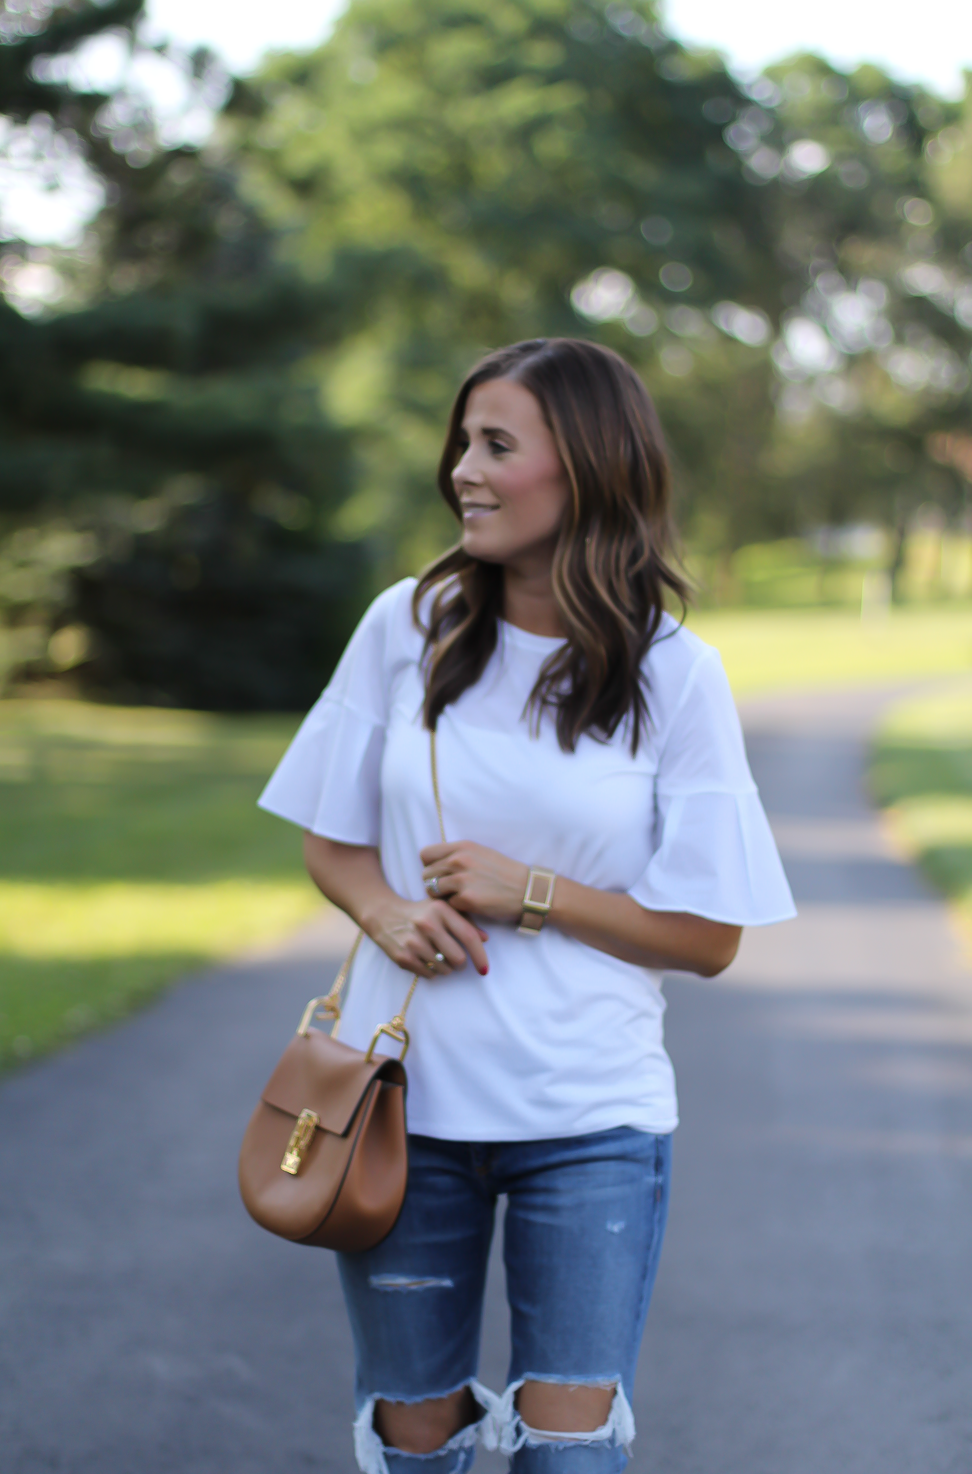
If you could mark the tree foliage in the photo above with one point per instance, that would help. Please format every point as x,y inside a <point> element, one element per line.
<point>246,398</point>
<point>172,415</point>
<point>529,150</point>
<point>519,147</point>
<point>873,232</point>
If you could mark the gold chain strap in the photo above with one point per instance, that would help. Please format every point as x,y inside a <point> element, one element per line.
<point>330,1006</point>
<point>435,785</point>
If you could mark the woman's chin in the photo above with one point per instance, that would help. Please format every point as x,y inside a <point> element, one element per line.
<point>485,549</point>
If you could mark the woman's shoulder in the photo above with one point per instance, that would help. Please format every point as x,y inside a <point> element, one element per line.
<point>388,621</point>
<point>677,665</point>
<point>677,654</point>
<point>385,641</point>
<point>393,606</point>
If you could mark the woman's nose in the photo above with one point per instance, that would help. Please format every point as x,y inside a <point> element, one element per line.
<point>464,472</point>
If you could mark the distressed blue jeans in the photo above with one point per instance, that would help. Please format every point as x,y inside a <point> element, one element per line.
<point>583,1231</point>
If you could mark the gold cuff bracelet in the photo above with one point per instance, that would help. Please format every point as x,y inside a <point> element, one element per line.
<point>534,910</point>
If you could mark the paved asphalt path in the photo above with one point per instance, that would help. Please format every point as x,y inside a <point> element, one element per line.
<point>813,1313</point>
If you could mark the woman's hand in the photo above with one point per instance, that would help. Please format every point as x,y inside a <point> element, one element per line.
<point>477,880</point>
<point>482,882</point>
<point>411,933</point>
<point>414,934</point>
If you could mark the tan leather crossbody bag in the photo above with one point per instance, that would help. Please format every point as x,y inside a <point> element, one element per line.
<point>325,1158</point>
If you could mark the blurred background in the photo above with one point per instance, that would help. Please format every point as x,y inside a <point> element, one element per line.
<point>245,257</point>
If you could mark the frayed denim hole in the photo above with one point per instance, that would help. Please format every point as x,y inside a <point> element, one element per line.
<point>514,1433</point>
<point>369,1451</point>
<point>405,1282</point>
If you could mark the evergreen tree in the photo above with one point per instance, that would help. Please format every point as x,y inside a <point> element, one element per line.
<point>171,417</point>
<point>243,406</point>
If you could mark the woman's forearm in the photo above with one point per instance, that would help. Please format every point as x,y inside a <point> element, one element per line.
<point>419,936</point>
<point>482,882</point>
<point>616,924</point>
<point>350,875</point>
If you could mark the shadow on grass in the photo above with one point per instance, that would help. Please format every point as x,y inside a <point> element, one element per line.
<point>45,1003</point>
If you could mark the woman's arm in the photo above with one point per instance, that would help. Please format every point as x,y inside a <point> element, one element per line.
<point>409,932</point>
<point>665,940</point>
<point>481,882</point>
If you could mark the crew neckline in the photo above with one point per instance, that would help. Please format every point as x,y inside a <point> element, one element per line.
<point>528,641</point>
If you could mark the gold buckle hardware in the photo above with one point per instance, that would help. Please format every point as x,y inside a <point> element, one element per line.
<point>300,1139</point>
<point>331,1005</point>
<point>396,1030</point>
<point>534,912</point>
<point>330,1008</point>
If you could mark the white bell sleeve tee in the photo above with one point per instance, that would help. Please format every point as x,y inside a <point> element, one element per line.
<point>715,856</point>
<point>559,1039</point>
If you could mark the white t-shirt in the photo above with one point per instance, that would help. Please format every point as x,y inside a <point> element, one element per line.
<point>559,1039</point>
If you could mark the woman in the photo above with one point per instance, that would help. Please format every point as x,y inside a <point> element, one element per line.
<point>602,826</point>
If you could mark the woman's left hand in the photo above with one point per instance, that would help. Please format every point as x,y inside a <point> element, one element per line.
<point>476,880</point>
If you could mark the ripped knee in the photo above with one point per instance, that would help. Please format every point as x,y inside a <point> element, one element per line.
<point>565,1407</point>
<point>540,1410</point>
<point>453,1422</point>
<point>425,1427</point>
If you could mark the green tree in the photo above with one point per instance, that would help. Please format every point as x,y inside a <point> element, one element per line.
<point>569,168</point>
<point>170,415</point>
<point>244,404</point>
<point>873,224</point>
<point>526,150</point>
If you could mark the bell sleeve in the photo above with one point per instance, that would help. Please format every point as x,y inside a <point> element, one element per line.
<point>714,854</point>
<point>329,779</point>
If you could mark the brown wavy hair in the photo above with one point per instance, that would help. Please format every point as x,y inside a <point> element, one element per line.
<point>614,557</point>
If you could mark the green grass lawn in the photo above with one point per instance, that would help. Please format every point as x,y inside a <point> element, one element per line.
<point>922,772</point>
<point>780,649</point>
<point>131,850</point>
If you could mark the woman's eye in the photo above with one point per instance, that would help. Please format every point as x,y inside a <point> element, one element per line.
<point>498,448</point>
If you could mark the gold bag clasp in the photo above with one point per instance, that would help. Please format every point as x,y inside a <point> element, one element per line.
<point>300,1139</point>
<point>329,1008</point>
<point>395,1029</point>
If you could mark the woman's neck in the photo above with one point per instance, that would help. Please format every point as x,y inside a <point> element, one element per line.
<point>528,600</point>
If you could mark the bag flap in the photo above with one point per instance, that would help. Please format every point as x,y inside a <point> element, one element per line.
<point>318,1073</point>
